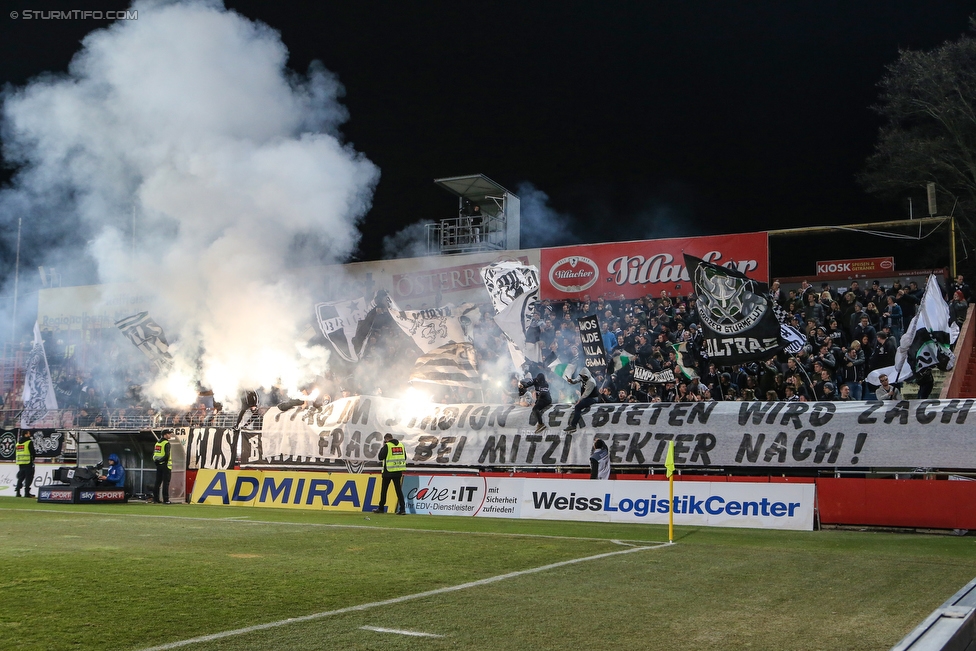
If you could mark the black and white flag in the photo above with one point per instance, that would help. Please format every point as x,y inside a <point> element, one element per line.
<point>514,321</point>
<point>736,314</point>
<point>431,328</point>
<point>645,375</point>
<point>927,343</point>
<point>147,336</point>
<point>506,281</point>
<point>38,394</point>
<point>792,339</point>
<point>339,322</point>
<point>454,364</point>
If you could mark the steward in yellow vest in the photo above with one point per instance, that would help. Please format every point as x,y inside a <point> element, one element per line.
<point>394,458</point>
<point>25,463</point>
<point>163,459</point>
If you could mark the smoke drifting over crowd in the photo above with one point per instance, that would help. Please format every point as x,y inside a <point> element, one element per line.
<point>543,225</point>
<point>181,155</point>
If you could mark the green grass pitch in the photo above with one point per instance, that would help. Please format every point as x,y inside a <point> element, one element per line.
<point>137,576</point>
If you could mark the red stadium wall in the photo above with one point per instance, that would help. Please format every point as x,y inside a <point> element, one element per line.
<point>916,503</point>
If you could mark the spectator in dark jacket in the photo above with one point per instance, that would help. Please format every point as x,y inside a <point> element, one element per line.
<point>865,329</point>
<point>958,308</point>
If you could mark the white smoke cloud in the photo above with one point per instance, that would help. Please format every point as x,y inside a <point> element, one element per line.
<point>542,225</point>
<point>408,242</point>
<point>231,164</point>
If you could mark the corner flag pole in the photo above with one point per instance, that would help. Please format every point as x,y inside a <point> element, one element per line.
<point>669,464</point>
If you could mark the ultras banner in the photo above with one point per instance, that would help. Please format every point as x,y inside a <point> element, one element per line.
<point>209,447</point>
<point>636,269</point>
<point>923,433</point>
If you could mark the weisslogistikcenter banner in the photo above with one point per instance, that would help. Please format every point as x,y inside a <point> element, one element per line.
<point>696,503</point>
<point>637,269</point>
<point>916,433</point>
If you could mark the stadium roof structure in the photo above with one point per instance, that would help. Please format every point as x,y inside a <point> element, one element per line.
<point>474,187</point>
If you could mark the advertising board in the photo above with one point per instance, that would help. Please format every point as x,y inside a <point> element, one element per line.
<point>43,475</point>
<point>635,269</point>
<point>696,503</point>
<point>854,268</point>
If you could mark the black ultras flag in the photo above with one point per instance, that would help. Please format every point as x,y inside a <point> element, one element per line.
<point>592,341</point>
<point>736,314</point>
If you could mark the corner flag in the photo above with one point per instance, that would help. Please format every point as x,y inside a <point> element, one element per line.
<point>669,460</point>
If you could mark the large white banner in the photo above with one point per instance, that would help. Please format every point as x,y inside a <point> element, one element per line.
<point>696,503</point>
<point>916,433</point>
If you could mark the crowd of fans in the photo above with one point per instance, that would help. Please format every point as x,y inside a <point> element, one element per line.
<point>850,331</point>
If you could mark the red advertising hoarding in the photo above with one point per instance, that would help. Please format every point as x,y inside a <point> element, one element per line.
<point>637,269</point>
<point>854,268</point>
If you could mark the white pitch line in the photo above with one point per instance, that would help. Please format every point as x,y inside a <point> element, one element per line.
<point>395,600</point>
<point>398,631</point>
<point>325,525</point>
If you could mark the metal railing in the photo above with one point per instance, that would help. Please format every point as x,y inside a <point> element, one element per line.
<point>124,419</point>
<point>463,235</point>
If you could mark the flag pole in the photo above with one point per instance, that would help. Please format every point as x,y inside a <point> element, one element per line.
<point>671,509</point>
<point>669,464</point>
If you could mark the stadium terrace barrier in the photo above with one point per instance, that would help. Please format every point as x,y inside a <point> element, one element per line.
<point>951,627</point>
<point>954,385</point>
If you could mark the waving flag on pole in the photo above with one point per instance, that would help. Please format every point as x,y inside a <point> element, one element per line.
<point>736,313</point>
<point>39,395</point>
<point>340,321</point>
<point>147,335</point>
<point>927,343</point>
<point>430,328</point>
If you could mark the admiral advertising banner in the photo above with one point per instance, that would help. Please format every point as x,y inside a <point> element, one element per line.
<point>292,490</point>
<point>637,269</point>
<point>922,433</point>
<point>721,504</point>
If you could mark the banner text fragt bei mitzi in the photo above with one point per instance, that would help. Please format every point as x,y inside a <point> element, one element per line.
<point>928,433</point>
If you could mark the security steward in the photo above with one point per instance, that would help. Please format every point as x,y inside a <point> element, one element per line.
<point>25,463</point>
<point>163,459</point>
<point>394,458</point>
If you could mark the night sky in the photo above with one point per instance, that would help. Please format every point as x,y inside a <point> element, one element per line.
<point>638,120</point>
